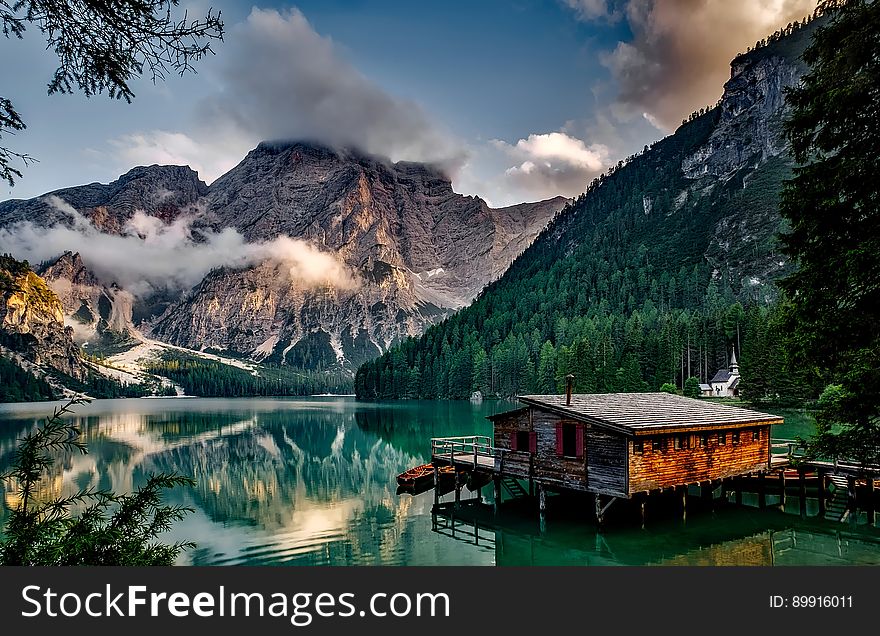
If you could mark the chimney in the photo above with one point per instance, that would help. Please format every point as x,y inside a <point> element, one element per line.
<point>569,380</point>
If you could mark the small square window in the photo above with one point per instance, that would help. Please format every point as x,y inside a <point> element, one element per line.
<point>638,447</point>
<point>704,440</point>
<point>522,440</point>
<point>735,437</point>
<point>722,439</point>
<point>657,444</point>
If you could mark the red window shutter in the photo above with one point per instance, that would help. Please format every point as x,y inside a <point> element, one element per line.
<point>513,441</point>
<point>533,442</point>
<point>579,440</point>
<point>559,439</point>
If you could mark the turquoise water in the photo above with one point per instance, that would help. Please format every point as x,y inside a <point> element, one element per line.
<point>312,482</point>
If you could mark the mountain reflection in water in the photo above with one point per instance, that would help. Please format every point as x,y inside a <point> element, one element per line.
<point>312,482</point>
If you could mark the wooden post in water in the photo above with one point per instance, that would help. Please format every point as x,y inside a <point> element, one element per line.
<point>457,489</point>
<point>762,495</point>
<point>871,507</point>
<point>496,491</point>
<point>724,490</point>
<point>781,490</point>
<point>684,499</point>
<point>738,491</point>
<point>802,490</point>
<point>436,484</point>
<point>643,500</point>
<point>822,486</point>
<point>600,517</point>
<point>531,475</point>
<point>851,496</point>
<point>706,491</point>
<point>542,499</point>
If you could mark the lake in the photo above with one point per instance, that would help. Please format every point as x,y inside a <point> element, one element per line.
<point>312,482</point>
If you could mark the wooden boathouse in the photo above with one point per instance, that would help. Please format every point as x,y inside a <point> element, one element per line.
<point>615,446</point>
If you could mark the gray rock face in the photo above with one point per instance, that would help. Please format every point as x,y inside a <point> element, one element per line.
<point>748,148</point>
<point>749,130</point>
<point>418,251</point>
<point>161,191</point>
<point>90,307</point>
<point>415,249</point>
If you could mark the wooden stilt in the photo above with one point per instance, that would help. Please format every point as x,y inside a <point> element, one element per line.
<point>851,496</point>
<point>823,489</point>
<point>542,499</point>
<point>739,491</point>
<point>724,489</point>
<point>436,484</point>
<point>782,491</point>
<point>643,500</point>
<point>684,497</point>
<point>531,475</point>
<point>870,503</point>
<point>762,495</point>
<point>599,515</point>
<point>706,491</point>
<point>802,491</point>
<point>457,490</point>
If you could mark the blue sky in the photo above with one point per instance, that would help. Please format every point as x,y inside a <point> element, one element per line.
<point>518,100</point>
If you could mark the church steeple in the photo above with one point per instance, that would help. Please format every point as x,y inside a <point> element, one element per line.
<point>734,367</point>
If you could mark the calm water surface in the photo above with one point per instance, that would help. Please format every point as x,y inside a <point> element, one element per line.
<point>312,482</point>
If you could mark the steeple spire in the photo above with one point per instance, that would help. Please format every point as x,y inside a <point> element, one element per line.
<point>734,366</point>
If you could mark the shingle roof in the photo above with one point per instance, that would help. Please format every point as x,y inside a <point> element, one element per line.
<point>635,412</point>
<point>723,375</point>
<point>705,387</point>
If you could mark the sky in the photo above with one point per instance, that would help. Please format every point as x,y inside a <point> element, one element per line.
<point>517,100</point>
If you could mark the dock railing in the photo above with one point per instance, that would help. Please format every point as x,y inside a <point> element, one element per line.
<point>464,447</point>
<point>787,447</point>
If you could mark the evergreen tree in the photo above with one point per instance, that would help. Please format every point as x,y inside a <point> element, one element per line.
<point>691,387</point>
<point>832,207</point>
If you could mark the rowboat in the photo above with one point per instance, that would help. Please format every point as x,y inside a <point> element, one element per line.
<point>421,479</point>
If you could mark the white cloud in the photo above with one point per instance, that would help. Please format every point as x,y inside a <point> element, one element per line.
<point>209,157</point>
<point>278,79</point>
<point>553,163</point>
<point>152,255</point>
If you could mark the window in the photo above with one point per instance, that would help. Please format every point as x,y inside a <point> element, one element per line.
<point>704,440</point>
<point>569,439</point>
<point>756,435</point>
<point>735,437</point>
<point>638,447</point>
<point>722,439</point>
<point>525,441</point>
<point>682,442</point>
<point>657,444</point>
<point>677,445</point>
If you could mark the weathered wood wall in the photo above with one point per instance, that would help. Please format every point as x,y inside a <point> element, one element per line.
<point>515,463</point>
<point>606,462</point>
<point>601,466</point>
<point>550,468</point>
<point>652,469</point>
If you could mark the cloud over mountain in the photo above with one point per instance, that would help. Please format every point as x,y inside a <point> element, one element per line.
<point>278,79</point>
<point>151,254</point>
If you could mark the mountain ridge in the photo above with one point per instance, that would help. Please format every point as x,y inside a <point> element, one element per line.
<point>417,250</point>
